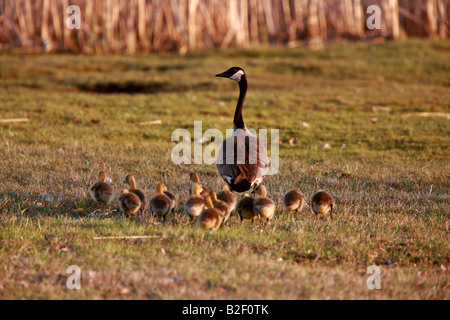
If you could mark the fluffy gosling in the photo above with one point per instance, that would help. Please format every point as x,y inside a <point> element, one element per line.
<point>245,208</point>
<point>129,202</point>
<point>173,199</point>
<point>228,196</point>
<point>262,205</point>
<point>322,203</point>
<point>195,204</point>
<point>160,204</point>
<point>195,179</point>
<point>101,191</point>
<point>294,201</point>
<point>221,205</point>
<point>211,218</point>
<point>131,181</point>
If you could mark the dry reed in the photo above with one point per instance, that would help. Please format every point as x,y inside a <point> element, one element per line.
<point>133,26</point>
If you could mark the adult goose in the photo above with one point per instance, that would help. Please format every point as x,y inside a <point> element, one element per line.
<point>242,160</point>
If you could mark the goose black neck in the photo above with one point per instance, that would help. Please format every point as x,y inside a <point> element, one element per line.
<point>238,119</point>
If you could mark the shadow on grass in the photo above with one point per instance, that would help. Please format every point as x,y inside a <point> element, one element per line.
<point>42,204</point>
<point>140,87</point>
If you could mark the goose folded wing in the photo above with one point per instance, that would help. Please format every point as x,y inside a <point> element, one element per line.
<point>247,160</point>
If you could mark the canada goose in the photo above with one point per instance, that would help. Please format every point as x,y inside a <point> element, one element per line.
<point>195,204</point>
<point>228,196</point>
<point>245,208</point>
<point>160,204</point>
<point>294,200</point>
<point>195,179</point>
<point>322,203</point>
<point>129,202</point>
<point>263,206</point>
<point>221,205</point>
<point>211,218</point>
<point>101,191</point>
<point>131,181</point>
<point>242,160</point>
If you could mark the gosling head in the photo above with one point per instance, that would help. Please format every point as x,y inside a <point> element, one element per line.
<point>129,179</point>
<point>260,191</point>
<point>194,177</point>
<point>160,187</point>
<point>197,189</point>
<point>234,73</point>
<point>102,176</point>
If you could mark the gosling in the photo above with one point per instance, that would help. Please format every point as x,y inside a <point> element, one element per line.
<point>160,204</point>
<point>245,208</point>
<point>101,191</point>
<point>173,199</point>
<point>322,203</point>
<point>263,206</point>
<point>195,179</point>
<point>294,201</point>
<point>211,218</point>
<point>129,202</point>
<point>131,181</point>
<point>228,196</point>
<point>221,206</point>
<point>195,204</point>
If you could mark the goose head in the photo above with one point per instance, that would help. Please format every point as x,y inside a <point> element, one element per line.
<point>234,73</point>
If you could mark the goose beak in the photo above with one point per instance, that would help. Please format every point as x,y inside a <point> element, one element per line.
<point>222,75</point>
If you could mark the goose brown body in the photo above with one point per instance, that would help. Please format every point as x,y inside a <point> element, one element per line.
<point>101,191</point>
<point>211,218</point>
<point>322,203</point>
<point>294,200</point>
<point>160,204</point>
<point>130,203</point>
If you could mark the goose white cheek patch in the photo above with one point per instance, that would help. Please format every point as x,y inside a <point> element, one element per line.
<point>237,76</point>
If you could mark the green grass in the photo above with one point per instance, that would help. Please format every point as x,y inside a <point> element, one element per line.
<point>386,214</point>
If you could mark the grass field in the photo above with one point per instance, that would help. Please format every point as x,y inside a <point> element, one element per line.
<point>388,169</point>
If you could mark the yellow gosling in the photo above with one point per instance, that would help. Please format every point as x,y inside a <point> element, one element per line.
<point>131,181</point>
<point>129,203</point>
<point>195,204</point>
<point>294,201</point>
<point>263,206</point>
<point>101,191</point>
<point>322,203</point>
<point>160,204</point>
<point>211,218</point>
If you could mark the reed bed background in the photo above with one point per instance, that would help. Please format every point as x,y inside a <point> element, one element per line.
<point>141,26</point>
